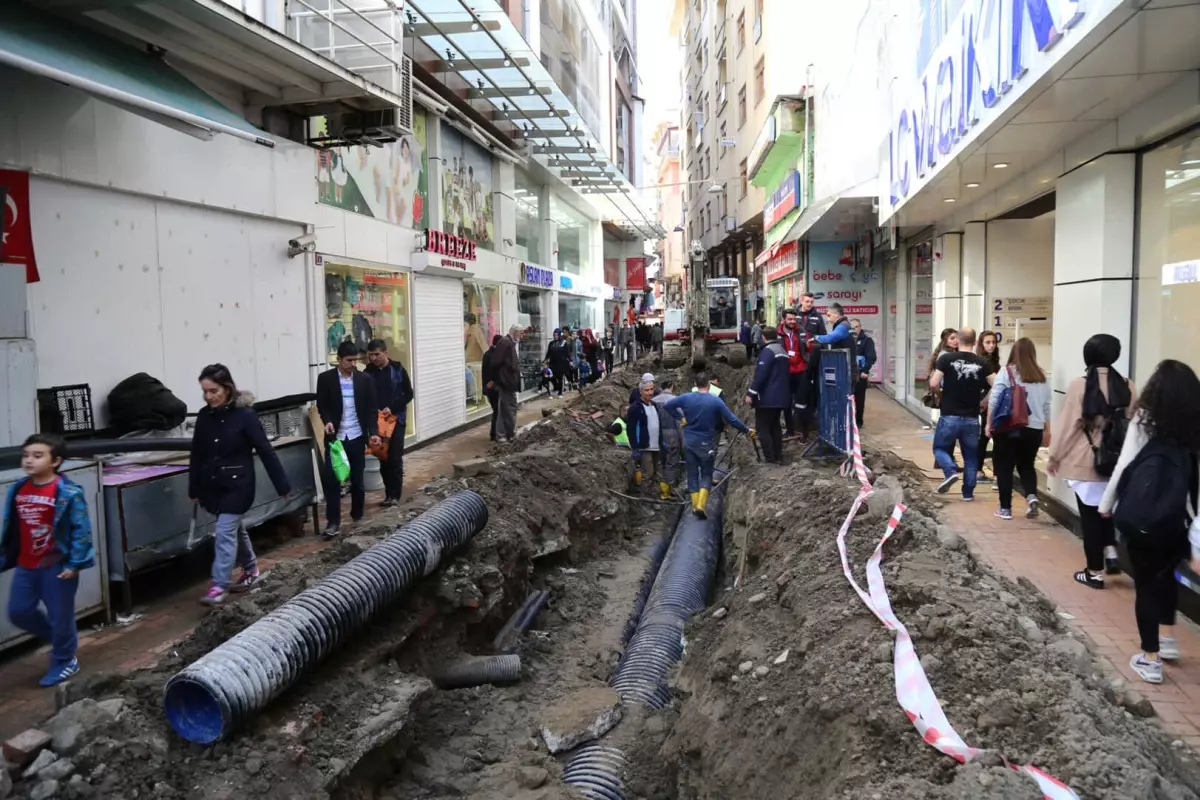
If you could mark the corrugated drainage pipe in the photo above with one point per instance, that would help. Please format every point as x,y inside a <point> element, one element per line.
<point>658,551</point>
<point>681,589</point>
<point>478,671</point>
<point>208,699</point>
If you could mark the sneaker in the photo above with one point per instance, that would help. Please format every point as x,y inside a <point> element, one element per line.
<point>1112,564</point>
<point>1088,579</point>
<point>1168,648</point>
<point>1003,513</point>
<point>983,477</point>
<point>390,502</point>
<point>214,597</point>
<point>1034,508</point>
<point>968,499</point>
<point>246,582</point>
<point>331,531</point>
<point>1147,670</point>
<point>57,675</point>
<point>945,485</point>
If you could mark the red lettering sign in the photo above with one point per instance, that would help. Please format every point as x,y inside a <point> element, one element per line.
<point>16,244</point>
<point>447,244</point>
<point>827,276</point>
<point>783,261</point>
<point>635,274</point>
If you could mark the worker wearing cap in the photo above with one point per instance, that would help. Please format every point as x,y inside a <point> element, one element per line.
<point>701,413</point>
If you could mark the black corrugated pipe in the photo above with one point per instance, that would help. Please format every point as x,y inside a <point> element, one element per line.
<point>658,551</point>
<point>211,697</point>
<point>681,589</point>
<point>478,671</point>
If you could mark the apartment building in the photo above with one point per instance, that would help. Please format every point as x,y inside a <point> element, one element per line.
<point>740,61</point>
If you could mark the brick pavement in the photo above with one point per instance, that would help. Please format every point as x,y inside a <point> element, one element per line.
<point>1048,555</point>
<point>167,619</point>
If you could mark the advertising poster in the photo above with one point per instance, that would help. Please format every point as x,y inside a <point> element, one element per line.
<point>388,182</point>
<point>467,204</point>
<point>860,291</point>
<point>635,274</point>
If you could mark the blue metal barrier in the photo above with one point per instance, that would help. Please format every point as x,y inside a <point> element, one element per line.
<point>836,385</point>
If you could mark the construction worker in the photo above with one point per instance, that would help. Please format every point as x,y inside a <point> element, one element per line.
<point>672,442</point>
<point>701,413</point>
<point>619,433</point>
<point>645,438</point>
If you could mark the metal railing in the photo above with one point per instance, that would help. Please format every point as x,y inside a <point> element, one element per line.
<point>364,36</point>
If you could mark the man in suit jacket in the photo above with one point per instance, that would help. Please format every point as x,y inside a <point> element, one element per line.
<point>347,405</point>
<point>506,381</point>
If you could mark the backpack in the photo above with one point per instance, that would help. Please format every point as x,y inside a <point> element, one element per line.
<point>1112,438</point>
<point>1012,407</point>
<point>1153,492</point>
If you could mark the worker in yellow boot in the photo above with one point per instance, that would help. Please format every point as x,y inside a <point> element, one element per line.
<point>700,413</point>
<point>645,434</point>
<point>672,442</point>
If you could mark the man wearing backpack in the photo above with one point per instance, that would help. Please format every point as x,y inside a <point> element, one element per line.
<point>1152,499</point>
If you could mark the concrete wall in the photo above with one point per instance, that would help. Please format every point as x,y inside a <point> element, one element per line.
<point>1020,263</point>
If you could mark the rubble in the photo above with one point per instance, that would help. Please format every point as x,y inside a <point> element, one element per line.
<point>580,717</point>
<point>22,748</point>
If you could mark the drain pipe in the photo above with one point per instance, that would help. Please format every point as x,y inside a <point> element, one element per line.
<point>215,694</point>
<point>682,588</point>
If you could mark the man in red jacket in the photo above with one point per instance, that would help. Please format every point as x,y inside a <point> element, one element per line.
<point>796,344</point>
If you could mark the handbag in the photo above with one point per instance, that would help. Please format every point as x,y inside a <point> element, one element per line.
<point>931,399</point>
<point>1012,407</point>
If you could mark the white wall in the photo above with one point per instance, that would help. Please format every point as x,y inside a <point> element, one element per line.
<point>1020,263</point>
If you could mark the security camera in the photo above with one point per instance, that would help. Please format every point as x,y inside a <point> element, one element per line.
<point>301,244</point>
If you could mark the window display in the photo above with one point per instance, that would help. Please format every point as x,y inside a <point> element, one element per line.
<point>533,347</point>
<point>363,304</point>
<point>575,312</point>
<point>481,322</point>
<point>1168,269</point>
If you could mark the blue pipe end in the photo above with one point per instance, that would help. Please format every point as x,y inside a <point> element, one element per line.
<point>194,711</point>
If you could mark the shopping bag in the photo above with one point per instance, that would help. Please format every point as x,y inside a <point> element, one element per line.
<point>387,428</point>
<point>337,457</point>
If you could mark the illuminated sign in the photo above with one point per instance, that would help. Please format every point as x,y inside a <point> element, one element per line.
<point>534,275</point>
<point>447,244</point>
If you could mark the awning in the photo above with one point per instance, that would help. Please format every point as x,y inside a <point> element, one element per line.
<point>481,43</point>
<point>839,217</point>
<point>53,48</point>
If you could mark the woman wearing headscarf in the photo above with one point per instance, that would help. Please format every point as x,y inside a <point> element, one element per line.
<point>1090,406</point>
<point>559,355</point>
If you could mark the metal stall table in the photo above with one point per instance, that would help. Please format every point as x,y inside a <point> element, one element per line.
<point>149,514</point>
<point>92,596</point>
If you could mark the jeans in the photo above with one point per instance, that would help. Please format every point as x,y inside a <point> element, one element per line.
<point>964,431</point>
<point>231,543</point>
<point>700,455</point>
<point>494,402</point>
<point>57,625</point>
<point>766,420</point>
<point>1009,451</point>
<point>1156,591</point>
<point>507,429</point>
<point>608,362</point>
<point>356,453</point>
<point>1098,533</point>
<point>391,470</point>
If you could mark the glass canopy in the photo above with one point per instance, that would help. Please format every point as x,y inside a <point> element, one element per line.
<point>481,44</point>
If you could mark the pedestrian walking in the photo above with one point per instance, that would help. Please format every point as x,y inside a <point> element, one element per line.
<point>46,540</point>
<point>796,343</point>
<point>756,338</point>
<point>812,323</point>
<point>394,394</point>
<point>608,344</point>
<point>961,377</point>
<point>508,383</point>
<point>348,407</point>
<point>221,477</point>
<point>656,338</point>
<point>592,354</point>
<point>487,374</point>
<point>1151,497</point>
<point>575,345</point>
<point>672,437</point>
<point>1016,444</point>
<point>771,395</point>
<point>626,342</point>
<point>559,356</point>
<point>1089,433</point>
<point>989,350</point>
<point>701,413</point>
<point>865,357</point>
<point>645,438</point>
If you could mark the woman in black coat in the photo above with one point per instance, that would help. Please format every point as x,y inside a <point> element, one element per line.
<point>221,476</point>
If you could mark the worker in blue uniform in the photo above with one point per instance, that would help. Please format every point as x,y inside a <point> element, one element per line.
<point>700,414</point>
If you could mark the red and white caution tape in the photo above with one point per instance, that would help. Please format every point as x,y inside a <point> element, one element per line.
<point>913,689</point>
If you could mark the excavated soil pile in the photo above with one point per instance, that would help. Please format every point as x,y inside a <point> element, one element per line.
<point>788,691</point>
<point>546,495</point>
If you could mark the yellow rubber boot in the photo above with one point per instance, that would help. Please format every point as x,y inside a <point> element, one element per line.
<point>700,503</point>
<point>664,490</point>
<point>695,502</point>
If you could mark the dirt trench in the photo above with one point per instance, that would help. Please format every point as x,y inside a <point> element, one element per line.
<point>787,687</point>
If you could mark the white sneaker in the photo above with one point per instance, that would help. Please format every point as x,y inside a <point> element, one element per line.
<point>1168,648</point>
<point>945,485</point>
<point>1034,507</point>
<point>1147,670</point>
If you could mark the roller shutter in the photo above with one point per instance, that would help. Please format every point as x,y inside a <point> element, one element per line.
<point>438,345</point>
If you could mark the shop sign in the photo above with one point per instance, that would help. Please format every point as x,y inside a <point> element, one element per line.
<point>635,274</point>
<point>447,244</point>
<point>784,261</point>
<point>566,283</point>
<point>782,201</point>
<point>534,275</point>
<point>985,53</point>
<point>16,242</point>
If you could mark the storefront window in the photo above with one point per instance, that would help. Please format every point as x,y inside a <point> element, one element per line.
<point>362,304</point>
<point>1168,287</point>
<point>467,202</point>
<point>574,237</point>
<point>481,322</point>
<point>530,316</point>
<point>575,312</point>
<point>921,334</point>
<point>529,221</point>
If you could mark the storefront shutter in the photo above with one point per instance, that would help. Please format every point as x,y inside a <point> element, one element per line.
<point>441,366</point>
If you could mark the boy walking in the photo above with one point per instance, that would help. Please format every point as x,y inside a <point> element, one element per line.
<point>46,539</point>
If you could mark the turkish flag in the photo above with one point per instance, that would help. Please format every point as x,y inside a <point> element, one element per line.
<point>16,245</point>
